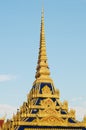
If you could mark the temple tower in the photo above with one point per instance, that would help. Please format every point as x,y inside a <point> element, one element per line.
<point>43,109</point>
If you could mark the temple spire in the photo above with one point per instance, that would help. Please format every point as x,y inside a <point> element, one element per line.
<point>43,72</point>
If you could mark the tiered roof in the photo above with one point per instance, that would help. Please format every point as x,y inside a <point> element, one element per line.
<point>43,109</point>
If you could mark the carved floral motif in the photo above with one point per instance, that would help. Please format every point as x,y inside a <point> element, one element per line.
<point>46,90</point>
<point>52,120</point>
<point>48,103</point>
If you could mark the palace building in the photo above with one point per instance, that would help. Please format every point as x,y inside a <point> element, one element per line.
<point>43,109</point>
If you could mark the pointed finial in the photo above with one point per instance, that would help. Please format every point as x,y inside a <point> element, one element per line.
<point>43,72</point>
<point>42,4</point>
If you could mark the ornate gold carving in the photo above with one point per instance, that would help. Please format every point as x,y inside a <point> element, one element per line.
<point>57,92</point>
<point>48,103</point>
<point>65,105</point>
<point>43,72</point>
<point>72,113</point>
<point>52,120</point>
<point>48,112</point>
<point>46,90</point>
<point>51,111</point>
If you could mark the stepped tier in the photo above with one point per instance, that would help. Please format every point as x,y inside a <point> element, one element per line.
<point>43,109</point>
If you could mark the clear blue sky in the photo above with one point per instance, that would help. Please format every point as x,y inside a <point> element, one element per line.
<point>65,29</point>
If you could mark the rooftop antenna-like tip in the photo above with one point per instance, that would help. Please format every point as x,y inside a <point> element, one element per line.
<point>42,6</point>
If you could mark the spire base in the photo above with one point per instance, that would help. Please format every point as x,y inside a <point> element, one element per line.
<point>41,80</point>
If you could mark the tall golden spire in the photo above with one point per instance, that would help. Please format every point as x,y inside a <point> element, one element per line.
<point>43,72</point>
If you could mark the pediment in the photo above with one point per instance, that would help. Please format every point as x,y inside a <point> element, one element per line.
<point>48,103</point>
<point>52,120</point>
<point>46,90</point>
<point>49,112</point>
